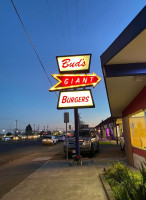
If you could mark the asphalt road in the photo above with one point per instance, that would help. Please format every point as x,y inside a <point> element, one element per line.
<point>20,159</point>
<point>7,146</point>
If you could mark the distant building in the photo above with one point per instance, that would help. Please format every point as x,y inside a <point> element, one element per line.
<point>109,129</point>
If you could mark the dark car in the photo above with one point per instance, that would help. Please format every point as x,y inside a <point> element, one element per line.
<point>88,143</point>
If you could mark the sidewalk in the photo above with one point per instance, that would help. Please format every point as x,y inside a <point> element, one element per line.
<point>57,180</point>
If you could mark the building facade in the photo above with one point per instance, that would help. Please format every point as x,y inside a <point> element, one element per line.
<point>124,70</point>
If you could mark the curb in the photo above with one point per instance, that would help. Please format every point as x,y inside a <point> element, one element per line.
<point>106,187</point>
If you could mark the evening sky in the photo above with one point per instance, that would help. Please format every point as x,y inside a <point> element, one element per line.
<point>56,27</point>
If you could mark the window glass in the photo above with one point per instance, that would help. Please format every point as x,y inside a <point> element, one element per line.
<point>138,129</point>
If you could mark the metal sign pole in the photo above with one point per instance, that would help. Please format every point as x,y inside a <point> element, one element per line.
<point>66,144</point>
<point>66,120</point>
<point>77,131</point>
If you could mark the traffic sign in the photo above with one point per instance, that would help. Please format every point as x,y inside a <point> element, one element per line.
<point>66,117</point>
<point>69,81</point>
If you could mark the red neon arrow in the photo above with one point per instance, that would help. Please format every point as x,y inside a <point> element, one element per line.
<point>69,81</point>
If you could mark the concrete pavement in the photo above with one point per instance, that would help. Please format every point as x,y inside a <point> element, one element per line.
<point>58,180</point>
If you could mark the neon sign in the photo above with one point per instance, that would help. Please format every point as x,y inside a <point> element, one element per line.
<point>68,81</point>
<point>75,63</point>
<point>75,99</point>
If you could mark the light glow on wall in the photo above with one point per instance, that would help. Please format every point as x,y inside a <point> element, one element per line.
<point>107,132</point>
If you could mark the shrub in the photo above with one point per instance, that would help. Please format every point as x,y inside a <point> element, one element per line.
<point>125,184</point>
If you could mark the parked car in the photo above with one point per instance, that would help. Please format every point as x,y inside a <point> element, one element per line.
<point>49,139</point>
<point>29,137</point>
<point>122,143</point>
<point>15,138</point>
<point>24,137</point>
<point>61,138</point>
<point>6,139</point>
<point>56,137</point>
<point>88,143</point>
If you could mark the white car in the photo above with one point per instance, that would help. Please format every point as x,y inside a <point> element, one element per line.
<point>49,139</point>
<point>56,138</point>
<point>6,138</point>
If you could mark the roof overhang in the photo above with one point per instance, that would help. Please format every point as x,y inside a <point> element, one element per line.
<point>124,65</point>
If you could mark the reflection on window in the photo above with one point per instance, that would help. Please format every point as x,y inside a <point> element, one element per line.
<point>138,129</point>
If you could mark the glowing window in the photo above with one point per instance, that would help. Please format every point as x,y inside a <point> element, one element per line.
<point>138,129</point>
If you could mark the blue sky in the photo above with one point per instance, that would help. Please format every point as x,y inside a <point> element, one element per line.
<point>56,27</point>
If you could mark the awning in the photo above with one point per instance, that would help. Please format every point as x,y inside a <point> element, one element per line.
<point>124,65</point>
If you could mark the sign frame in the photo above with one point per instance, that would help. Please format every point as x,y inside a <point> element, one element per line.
<point>78,107</point>
<point>74,71</point>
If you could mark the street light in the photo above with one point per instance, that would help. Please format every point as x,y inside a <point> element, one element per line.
<point>4,131</point>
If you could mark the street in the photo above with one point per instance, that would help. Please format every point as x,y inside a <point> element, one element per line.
<point>20,159</point>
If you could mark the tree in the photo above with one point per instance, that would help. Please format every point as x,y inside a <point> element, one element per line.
<point>9,134</point>
<point>41,132</point>
<point>28,130</point>
<point>81,122</point>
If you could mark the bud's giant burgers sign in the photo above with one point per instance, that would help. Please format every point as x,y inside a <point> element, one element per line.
<point>72,69</point>
<point>75,63</point>
<point>75,99</point>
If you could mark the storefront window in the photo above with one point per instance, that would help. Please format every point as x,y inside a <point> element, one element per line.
<point>138,129</point>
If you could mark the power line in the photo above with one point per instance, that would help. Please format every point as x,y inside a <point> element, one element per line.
<point>67,20</point>
<point>77,27</point>
<point>32,44</point>
<point>55,36</point>
<point>62,30</point>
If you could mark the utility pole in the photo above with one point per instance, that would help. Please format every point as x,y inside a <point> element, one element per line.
<point>44,128</point>
<point>16,128</point>
<point>34,128</point>
<point>47,128</point>
<point>16,124</point>
<point>38,128</point>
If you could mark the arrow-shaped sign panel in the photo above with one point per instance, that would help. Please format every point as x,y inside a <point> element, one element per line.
<point>69,81</point>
